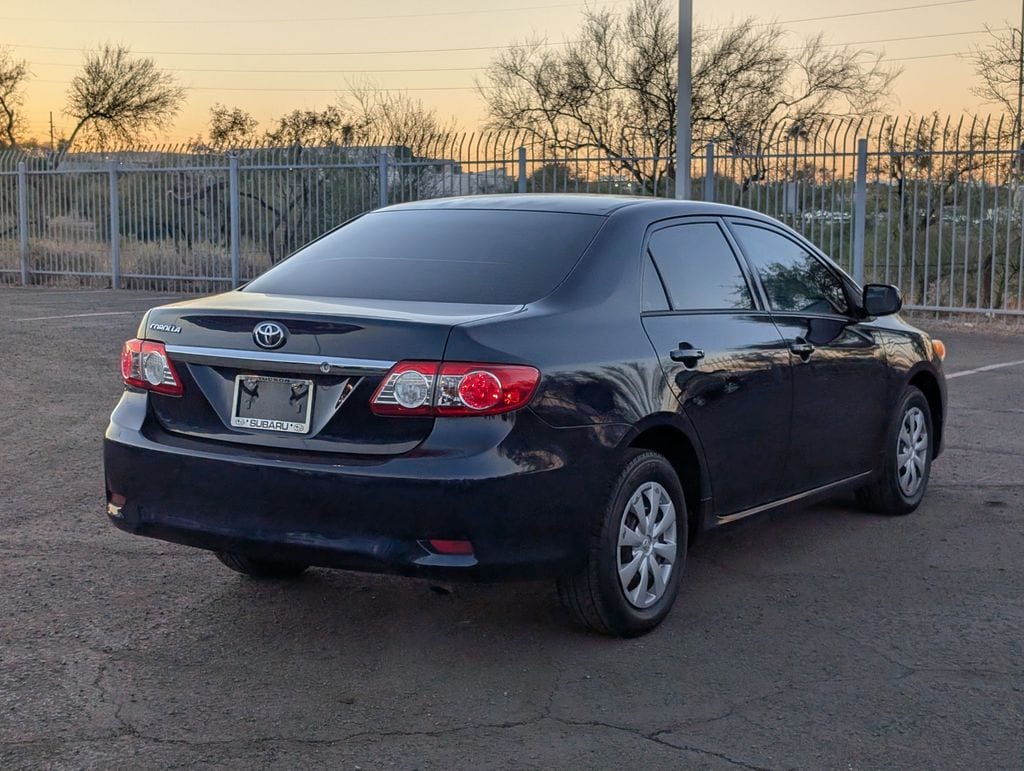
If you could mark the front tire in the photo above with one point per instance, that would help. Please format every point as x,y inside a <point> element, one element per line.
<point>260,568</point>
<point>636,553</point>
<point>900,484</point>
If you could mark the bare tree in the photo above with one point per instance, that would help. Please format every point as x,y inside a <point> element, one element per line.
<point>998,66</point>
<point>328,127</point>
<point>944,156</point>
<point>554,178</point>
<point>117,96</point>
<point>13,75</point>
<point>231,127</point>
<point>395,118</point>
<point>379,116</point>
<point>613,89</point>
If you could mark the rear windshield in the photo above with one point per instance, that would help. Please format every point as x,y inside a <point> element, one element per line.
<point>438,255</point>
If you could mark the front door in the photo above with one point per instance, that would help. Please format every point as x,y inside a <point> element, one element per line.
<point>724,359</point>
<point>839,369</point>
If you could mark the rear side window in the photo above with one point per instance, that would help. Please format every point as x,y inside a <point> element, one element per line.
<point>654,298</point>
<point>699,268</point>
<point>438,255</point>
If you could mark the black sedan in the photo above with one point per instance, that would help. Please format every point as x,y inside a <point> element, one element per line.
<point>518,387</point>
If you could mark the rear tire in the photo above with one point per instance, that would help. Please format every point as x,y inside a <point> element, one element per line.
<point>636,552</point>
<point>260,568</point>
<point>901,482</point>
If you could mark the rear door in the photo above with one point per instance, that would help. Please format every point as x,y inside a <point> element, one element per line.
<point>839,367</point>
<point>724,359</point>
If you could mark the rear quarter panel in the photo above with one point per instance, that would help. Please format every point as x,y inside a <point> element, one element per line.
<point>586,338</point>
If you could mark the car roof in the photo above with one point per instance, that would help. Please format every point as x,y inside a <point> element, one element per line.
<point>577,203</point>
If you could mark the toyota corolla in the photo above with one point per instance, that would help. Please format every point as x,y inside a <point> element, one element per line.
<point>517,387</point>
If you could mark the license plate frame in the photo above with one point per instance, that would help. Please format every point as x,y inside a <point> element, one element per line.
<point>280,420</point>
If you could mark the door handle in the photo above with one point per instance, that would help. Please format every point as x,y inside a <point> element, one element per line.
<point>687,354</point>
<point>801,348</point>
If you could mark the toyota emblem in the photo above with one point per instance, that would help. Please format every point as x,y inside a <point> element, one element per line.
<point>269,335</point>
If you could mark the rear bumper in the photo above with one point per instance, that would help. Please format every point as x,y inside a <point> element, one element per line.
<point>526,510</point>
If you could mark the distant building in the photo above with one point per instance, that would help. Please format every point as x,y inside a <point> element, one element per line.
<point>446,177</point>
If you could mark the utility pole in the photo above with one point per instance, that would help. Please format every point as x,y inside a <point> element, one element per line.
<point>684,101</point>
<point>1020,81</point>
<point>51,131</point>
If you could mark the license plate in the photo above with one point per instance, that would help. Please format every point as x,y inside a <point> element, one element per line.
<point>272,404</point>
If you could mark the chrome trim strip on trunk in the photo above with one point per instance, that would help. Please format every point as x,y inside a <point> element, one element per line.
<point>279,362</point>
<point>792,498</point>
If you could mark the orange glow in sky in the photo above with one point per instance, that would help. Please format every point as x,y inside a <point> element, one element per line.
<point>268,58</point>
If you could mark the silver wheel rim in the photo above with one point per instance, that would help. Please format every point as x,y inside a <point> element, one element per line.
<point>647,545</point>
<point>912,451</point>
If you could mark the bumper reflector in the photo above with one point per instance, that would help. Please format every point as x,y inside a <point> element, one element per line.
<point>460,548</point>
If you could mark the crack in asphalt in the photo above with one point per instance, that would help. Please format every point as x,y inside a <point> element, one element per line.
<point>909,670</point>
<point>1002,451</point>
<point>656,738</point>
<point>976,485</point>
<point>129,730</point>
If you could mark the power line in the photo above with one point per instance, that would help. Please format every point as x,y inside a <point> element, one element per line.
<point>429,14</point>
<point>915,37</point>
<point>246,70</point>
<point>380,52</point>
<point>303,90</point>
<point>852,14</point>
<point>293,19</point>
<point>311,53</point>
<point>451,88</point>
<point>926,56</point>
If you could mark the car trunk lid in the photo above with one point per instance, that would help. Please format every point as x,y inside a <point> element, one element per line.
<point>311,390</point>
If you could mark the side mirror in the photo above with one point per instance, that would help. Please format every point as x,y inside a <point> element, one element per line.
<point>882,300</point>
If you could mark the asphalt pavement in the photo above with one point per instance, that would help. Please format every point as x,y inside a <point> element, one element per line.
<point>814,638</point>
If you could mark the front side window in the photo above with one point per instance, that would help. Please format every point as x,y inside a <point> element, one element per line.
<point>793,278</point>
<point>699,269</point>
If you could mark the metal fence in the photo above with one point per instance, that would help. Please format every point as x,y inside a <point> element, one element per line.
<point>931,205</point>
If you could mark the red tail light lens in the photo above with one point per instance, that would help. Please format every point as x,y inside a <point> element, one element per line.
<point>480,390</point>
<point>483,389</point>
<point>144,364</point>
<point>454,388</point>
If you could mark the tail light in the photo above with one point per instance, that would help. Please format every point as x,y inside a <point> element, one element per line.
<point>144,364</point>
<point>454,388</point>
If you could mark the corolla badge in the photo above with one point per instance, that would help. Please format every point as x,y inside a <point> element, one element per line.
<point>269,335</point>
<point>172,328</point>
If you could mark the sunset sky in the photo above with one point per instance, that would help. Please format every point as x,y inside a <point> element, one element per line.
<point>269,58</point>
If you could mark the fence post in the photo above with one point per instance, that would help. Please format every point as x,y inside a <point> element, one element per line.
<point>709,174</point>
<point>382,178</point>
<point>860,214</point>
<point>115,227</point>
<point>522,169</point>
<point>234,216</point>
<point>23,220</point>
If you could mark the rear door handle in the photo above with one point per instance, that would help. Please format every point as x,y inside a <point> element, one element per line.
<point>687,355</point>
<point>801,348</point>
